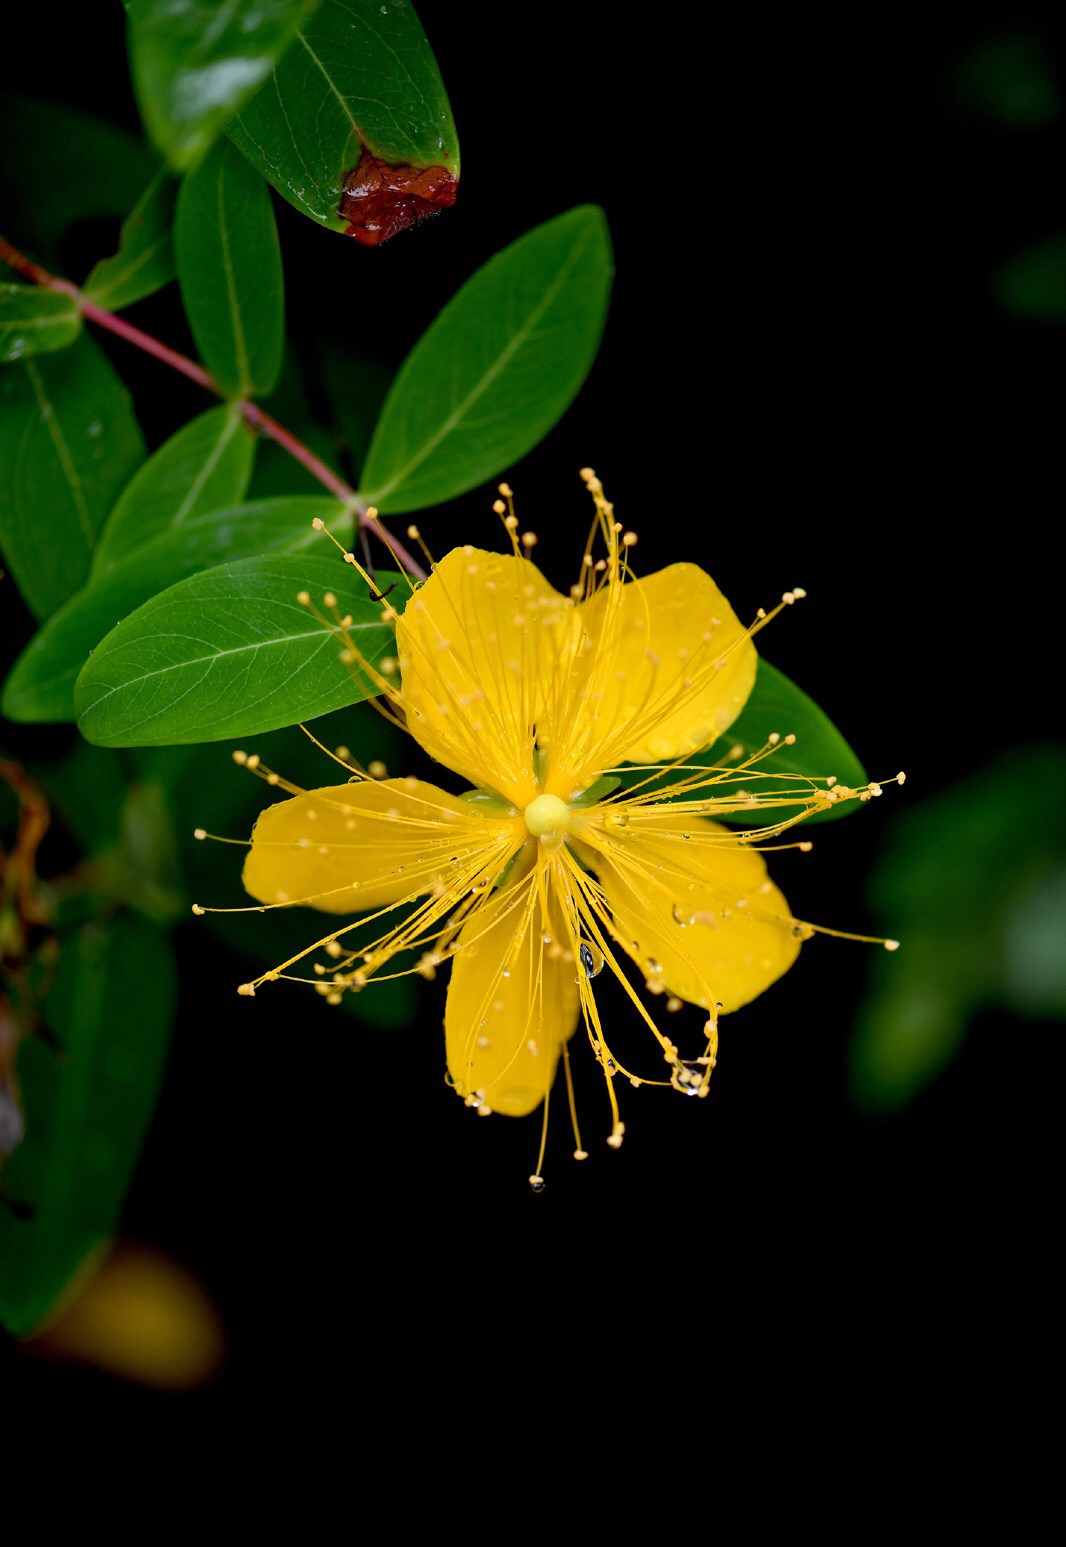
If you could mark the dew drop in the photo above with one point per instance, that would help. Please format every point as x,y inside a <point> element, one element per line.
<point>591,959</point>
<point>536,1183</point>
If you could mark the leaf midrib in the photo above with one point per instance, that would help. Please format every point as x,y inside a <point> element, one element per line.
<point>482,385</point>
<point>50,418</point>
<point>218,655</point>
<point>240,345</point>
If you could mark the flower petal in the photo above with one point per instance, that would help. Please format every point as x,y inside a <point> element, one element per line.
<point>477,644</point>
<point>347,848</point>
<point>512,1002</point>
<point>700,917</point>
<point>670,670</point>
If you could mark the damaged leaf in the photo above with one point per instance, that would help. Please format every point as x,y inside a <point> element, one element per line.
<point>354,127</point>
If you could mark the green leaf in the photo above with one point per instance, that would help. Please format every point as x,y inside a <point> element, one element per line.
<point>975,891</point>
<point>193,64</point>
<point>1032,285</point>
<point>908,1030</point>
<point>359,74</point>
<point>68,444</point>
<point>68,167</point>
<point>35,321</point>
<point>229,653</point>
<point>229,266</point>
<point>498,367</point>
<point>276,472</point>
<point>41,684</point>
<point>205,466</point>
<point>777,705</point>
<point>1009,78</point>
<point>144,262</point>
<point>356,388</point>
<point>87,1105</point>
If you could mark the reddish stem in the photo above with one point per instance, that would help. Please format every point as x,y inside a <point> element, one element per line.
<point>257,417</point>
<point>151,346</point>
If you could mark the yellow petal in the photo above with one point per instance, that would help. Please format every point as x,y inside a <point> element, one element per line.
<point>352,847</point>
<point>700,916</point>
<point>669,671</point>
<point>512,1002</point>
<point>477,644</point>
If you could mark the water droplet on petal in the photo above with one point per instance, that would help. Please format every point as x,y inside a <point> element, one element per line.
<point>591,959</point>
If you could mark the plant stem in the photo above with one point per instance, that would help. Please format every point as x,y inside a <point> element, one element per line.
<point>253,415</point>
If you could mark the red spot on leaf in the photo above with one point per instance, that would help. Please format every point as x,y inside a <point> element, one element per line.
<point>380,199</point>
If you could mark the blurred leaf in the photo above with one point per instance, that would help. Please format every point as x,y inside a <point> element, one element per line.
<point>229,266</point>
<point>1034,957</point>
<point>1008,78</point>
<point>776,705</point>
<point>35,321</point>
<point>974,889</point>
<point>63,166</point>
<point>41,684</point>
<point>87,1110</point>
<point>910,1029</point>
<point>276,472</point>
<point>205,466</point>
<point>194,63</point>
<point>1032,285</point>
<point>68,444</point>
<point>229,653</point>
<point>359,74</point>
<point>498,367</point>
<point>145,870</point>
<point>356,387</point>
<point>87,788</point>
<point>144,262</point>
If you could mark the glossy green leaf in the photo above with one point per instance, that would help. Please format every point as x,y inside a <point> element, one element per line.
<point>145,260</point>
<point>68,444</point>
<point>193,64</point>
<point>41,684</point>
<point>502,362</point>
<point>229,653</point>
<point>229,266</point>
<point>360,73</point>
<point>88,1103</point>
<point>35,321</point>
<point>205,466</point>
<point>777,706</point>
<point>62,166</point>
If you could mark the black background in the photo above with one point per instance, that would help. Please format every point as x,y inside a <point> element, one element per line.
<point>805,381</point>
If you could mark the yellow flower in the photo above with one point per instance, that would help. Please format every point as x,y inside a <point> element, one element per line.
<point>550,867</point>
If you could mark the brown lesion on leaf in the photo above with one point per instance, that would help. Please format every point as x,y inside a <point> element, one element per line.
<point>380,199</point>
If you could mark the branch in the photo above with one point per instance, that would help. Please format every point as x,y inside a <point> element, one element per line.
<point>258,418</point>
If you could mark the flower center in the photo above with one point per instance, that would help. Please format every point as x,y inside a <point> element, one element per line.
<point>548,818</point>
